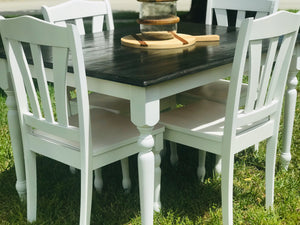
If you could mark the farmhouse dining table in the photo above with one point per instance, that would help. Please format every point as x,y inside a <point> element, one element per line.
<point>144,77</point>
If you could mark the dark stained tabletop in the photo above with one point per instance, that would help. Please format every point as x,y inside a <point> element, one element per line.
<point>106,58</point>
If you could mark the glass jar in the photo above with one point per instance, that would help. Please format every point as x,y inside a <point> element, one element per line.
<point>158,18</point>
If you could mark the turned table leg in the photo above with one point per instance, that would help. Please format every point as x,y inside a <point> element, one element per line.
<point>289,112</point>
<point>146,174</point>
<point>14,130</point>
<point>144,110</point>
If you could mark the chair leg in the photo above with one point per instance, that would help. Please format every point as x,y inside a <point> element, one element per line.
<point>98,181</point>
<point>201,165</point>
<point>218,165</point>
<point>270,170</point>
<point>126,182</point>
<point>174,155</point>
<point>227,188</point>
<point>31,182</point>
<point>86,196</point>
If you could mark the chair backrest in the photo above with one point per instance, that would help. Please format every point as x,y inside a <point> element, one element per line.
<point>273,36</point>
<point>242,7</point>
<point>25,39</point>
<point>77,10</point>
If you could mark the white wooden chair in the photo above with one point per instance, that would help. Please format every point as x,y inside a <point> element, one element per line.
<point>225,129</point>
<point>217,91</point>
<point>86,141</point>
<point>77,11</point>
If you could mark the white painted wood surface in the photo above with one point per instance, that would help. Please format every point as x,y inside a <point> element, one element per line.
<point>76,140</point>
<point>226,129</point>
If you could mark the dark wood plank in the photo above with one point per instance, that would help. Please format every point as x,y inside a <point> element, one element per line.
<point>144,67</point>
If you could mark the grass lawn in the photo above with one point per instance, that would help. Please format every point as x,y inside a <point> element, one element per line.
<point>184,199</point>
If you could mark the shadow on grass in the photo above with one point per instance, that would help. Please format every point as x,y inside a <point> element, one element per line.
<point>59,196</point>
<point>182,192</point>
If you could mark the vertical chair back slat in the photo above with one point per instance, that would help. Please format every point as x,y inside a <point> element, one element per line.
<point>266,73</point>
<point>255,49</point>
<point>60,60</point>
<point>280,68</point>
<point>80,25</point>
<point>42,82</point>
<point>29,87</point>
<point>97,25</point>
<point>109,16</point>
<point>221,16</point>
<point>241,15</point>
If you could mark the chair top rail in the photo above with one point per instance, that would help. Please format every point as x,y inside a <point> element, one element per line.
<point>261,7</point>
<point>253,5</point>
<point>77,10</point>
<point>74,9</point>
<point>18,28</point>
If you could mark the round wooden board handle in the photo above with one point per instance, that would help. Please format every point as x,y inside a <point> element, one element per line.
<point>164,21</point>
<point>207,37</point>
<point>179,41</point>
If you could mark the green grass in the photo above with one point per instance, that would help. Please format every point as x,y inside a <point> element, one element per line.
<point>185,201</point>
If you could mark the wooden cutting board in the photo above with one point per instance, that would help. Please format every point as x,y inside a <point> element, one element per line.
<point>179,41</point>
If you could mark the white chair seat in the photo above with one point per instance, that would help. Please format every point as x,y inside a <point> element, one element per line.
<point>106,102</point>
<point>200,119</point>
<point>118,105</point>
<point>116,130</point>
<point>216,91</point>
<point>205,119</point>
